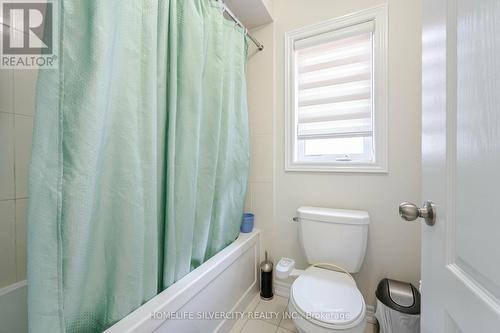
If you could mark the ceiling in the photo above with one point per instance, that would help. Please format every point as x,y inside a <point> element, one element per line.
<point>251,13</point>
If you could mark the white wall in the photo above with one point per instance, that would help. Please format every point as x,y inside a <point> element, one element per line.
<point>393,245</point>
<point>17,98</point>
<point>260,81</point>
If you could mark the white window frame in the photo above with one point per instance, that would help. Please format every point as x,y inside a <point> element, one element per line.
<point>378,15</point>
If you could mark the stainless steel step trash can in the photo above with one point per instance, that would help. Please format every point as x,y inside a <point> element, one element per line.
<point>398,307</point>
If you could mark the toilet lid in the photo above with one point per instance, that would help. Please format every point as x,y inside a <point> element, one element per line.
<point>327,297</point>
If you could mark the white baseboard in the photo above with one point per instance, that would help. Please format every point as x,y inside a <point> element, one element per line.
<point>282,288</point>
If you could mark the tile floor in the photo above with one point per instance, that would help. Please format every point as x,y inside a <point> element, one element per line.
<point>272,323</point>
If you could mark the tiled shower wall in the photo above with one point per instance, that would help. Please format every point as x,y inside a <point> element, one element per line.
<point>17,105</point>
<point>260,84</point>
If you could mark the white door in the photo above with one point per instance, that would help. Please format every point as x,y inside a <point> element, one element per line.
<point>461,165</point>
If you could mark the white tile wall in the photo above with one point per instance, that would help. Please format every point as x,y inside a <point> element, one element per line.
<point>7,188</point>
<point>23,126</point>
<point>261,169</point>
<point>24,91</point>
<point>21,214</point>
<point>6,90</point>
<point>248,199</point>
<point>261,105</point>
<point>17,107</point>
<point>7,242</point>
<point>262,201</point>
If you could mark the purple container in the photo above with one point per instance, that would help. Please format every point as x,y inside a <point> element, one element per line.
<point>247,223</point>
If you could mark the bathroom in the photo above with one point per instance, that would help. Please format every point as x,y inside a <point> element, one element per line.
<point>91,240</point>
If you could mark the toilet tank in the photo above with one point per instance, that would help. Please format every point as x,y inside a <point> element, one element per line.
<point>336,236</point>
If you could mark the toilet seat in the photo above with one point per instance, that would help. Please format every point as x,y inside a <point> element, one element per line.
<point>328,298</point>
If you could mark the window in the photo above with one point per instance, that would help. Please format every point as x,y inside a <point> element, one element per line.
<point>336,117</point>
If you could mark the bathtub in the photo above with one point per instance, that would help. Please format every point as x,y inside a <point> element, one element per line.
<point>13,308</point>
<point>227,282</point>
<point>206,299</point>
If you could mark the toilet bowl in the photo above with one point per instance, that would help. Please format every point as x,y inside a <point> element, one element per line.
<point>322,300</point>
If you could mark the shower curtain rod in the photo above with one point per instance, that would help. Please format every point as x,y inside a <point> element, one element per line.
<point>235,19</point>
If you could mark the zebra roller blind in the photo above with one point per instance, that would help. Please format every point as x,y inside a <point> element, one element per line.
<point>334,84</point>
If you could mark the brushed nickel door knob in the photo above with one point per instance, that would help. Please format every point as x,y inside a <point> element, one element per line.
<point>410,212</point>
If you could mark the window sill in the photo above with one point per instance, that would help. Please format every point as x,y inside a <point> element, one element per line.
<point>338,168</point>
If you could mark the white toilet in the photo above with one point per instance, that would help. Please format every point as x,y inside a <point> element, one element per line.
<point>324,299</point>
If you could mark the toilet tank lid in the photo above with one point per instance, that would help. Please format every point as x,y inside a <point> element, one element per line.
<point>332,215</point>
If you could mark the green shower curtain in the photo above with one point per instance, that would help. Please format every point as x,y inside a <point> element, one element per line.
<point>140,157</point>
<point>207,137</point>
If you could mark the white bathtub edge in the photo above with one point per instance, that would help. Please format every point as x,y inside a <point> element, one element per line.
<point>14,308</point>
<point>12,287</point>
<point>174,297</point>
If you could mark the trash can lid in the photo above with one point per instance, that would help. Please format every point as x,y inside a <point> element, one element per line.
<point>398,295</point>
